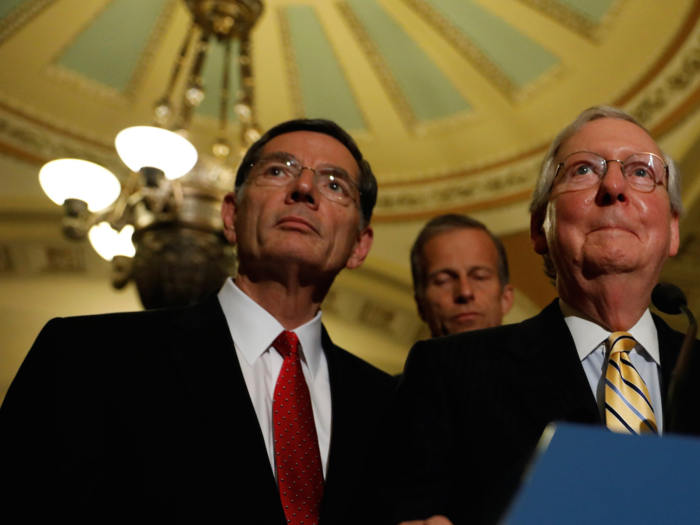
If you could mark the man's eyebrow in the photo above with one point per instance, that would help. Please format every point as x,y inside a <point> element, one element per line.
<point>337,171</point>
<point>443,269</point>
<point>283,156</point>
<point>279,155</point>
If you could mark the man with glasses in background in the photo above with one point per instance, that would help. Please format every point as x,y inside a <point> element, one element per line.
<point>239,409</point>
<point>472,407</point>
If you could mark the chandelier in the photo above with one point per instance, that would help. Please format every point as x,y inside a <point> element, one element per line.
<point>162,229</point>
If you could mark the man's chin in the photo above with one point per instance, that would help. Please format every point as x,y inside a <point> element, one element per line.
<point>607,265</point>
<point>465,325</point>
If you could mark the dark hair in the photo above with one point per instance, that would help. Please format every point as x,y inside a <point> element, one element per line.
<point>367,183</point>
<point>443,224</point>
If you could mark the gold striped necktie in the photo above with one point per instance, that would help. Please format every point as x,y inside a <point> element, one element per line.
<point>628,407</point>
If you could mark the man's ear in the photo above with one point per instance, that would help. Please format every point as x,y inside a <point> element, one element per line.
<point>359,253</point>
<point>228,214</point>
<point>537,235</point>
<point>507,298</point>
<point>675,234</point>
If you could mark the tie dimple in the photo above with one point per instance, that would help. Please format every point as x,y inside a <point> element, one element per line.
<point>297,454</point>
<point>628,407</point>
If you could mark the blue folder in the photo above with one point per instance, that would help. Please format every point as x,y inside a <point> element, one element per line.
<point>588,475</point>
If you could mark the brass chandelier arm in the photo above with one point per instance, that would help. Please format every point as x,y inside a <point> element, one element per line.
<point>194,91</point>
<point>249,130</point>
<point>164,106</point>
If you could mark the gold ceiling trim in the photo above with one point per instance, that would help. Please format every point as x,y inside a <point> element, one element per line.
<point>576,22</point>
<point>291,63</point>
<point>90,87</point>
<point>386,77</point>
<point>100,91</point>
<point>672,87</point>
<point>671,50</point>
<point>479,59</point>
<point>469,193</point>
<point>448,175</point>
<point>33,143</point>
<point>19,16</point>
<point>21,111</point>
<point>464,209</point>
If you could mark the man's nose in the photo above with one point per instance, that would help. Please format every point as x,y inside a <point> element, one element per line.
<point>613,186</point>
<point>463,290</point>
<point>303,188</point>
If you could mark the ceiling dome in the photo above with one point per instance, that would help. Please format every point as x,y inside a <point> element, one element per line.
<point>453,102</point>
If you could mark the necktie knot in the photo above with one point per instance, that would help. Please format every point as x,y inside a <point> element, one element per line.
<point>620,342</point>
<point>286,343</point>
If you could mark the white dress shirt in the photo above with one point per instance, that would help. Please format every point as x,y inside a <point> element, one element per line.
<point>589,338</point>
<point>254,330</point>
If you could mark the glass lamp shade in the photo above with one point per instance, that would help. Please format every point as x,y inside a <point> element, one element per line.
<point>108,243</point>
<point>149,147</point>
<point>79,179</point>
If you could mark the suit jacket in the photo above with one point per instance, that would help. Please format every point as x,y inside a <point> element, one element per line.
<point>146,417</point>
<point>471,408</point>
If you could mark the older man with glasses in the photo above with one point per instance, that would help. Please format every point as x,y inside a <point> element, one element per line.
<point>237,410</point>
<point>471,407</point>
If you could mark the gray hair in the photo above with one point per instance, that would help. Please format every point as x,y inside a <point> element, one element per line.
<point>447,223</point>
<point>548,169</point>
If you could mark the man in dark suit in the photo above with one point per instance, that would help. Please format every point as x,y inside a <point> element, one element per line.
<point>195,415</point>
<point>471,407</point>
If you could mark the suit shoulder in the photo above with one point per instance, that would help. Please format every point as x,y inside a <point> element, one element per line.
<point>137,319</point>
<point>360,366</point>
<point>359,372</point>
<point>475,342</point>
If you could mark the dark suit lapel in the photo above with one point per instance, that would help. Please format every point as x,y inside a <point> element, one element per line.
<point>345,415</point>
<point>202,348</point>
<point>669,348</point>
<point>548,375</point>
<point>340,408</point>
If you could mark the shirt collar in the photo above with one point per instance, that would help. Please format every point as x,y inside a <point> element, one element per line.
<point>588,334</point>
<point>254,329</point>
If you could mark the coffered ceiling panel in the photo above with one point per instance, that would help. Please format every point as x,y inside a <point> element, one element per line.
<point>318,83</point>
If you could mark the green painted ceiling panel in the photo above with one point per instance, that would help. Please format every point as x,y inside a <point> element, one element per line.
<point>594,10</point>
<point>213,73</point>
<point>325,89</point>
<point>109,49</point>
<point>7,6</point>
<point>521,59</point>
<point>429,93</point>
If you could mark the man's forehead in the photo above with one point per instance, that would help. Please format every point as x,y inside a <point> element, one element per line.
<point>610,137</point>
<point>313,147</point>
<point>461,245</point>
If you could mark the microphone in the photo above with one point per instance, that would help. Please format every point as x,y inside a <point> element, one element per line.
<point>669,299</point>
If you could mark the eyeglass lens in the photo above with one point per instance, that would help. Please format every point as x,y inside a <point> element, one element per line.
<point>333,184</point>
<point>643,171</point>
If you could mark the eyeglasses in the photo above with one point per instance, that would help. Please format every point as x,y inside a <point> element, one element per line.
<point>585,169</point>
<point>332,182</point>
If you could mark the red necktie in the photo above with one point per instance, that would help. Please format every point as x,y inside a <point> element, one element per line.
<point>297,455</point>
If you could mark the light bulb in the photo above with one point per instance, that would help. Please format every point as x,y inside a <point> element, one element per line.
<point>149,147</point>
<point>108,243</point>
<point>79,179</point>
